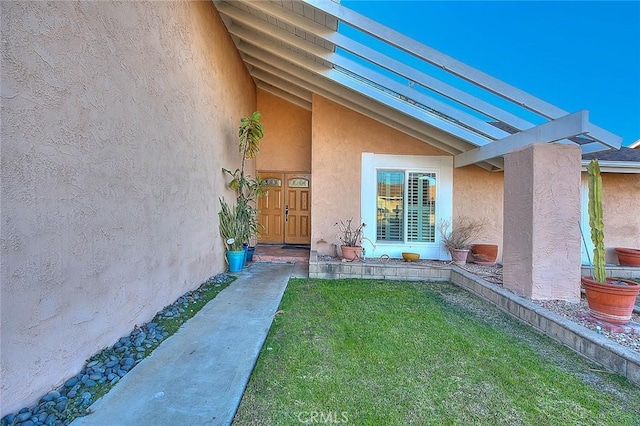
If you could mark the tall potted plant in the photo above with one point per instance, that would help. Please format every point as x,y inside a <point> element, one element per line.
<point>609,299</point>
<point>247,187</point>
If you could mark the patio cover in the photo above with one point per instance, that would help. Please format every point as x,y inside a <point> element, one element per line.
<point>293,48</point>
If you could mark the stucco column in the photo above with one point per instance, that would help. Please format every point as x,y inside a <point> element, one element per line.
<point>541,238</point>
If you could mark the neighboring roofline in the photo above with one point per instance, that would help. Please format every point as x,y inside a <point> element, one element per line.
<point>635,145</point>
<point>615,166</point>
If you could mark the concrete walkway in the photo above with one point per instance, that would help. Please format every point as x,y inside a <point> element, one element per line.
<point>198,375</point>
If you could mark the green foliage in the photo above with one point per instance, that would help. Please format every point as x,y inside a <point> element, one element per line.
<point>233,225</point>
<point>596,221</point>
<point>250,133</point>
<point>239,222</point>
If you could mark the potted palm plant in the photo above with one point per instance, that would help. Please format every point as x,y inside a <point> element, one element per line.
<point>458,236</point>
<point>247,187</point>
<point>609,299</point>
<point>350,237</point>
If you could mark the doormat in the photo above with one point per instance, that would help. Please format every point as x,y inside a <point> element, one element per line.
<point>289,246</point>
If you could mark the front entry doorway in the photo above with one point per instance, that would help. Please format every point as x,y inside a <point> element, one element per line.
<point>285,210</point>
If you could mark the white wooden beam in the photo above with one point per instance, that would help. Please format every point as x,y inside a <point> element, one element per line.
<point>284,95</point>
<point>381,60</point>
<point>464,133</point>
<point>457,68</point>
<point>259,31</point>
<point>561,128</point>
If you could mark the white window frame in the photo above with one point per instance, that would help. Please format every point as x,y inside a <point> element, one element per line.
<point>371,163</point>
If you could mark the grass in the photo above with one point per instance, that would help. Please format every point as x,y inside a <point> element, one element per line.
<point>368,352</point>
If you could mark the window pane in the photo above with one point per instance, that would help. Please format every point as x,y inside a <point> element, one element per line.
<point>390,206</point>
<point>421,207</point>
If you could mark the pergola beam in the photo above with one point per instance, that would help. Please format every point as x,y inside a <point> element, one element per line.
<point>555,130</point>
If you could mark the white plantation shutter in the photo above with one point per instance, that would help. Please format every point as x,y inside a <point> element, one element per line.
<point>390,202</point>
<point>421,196</point>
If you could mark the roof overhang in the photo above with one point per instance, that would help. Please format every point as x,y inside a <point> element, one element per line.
<point>293,48</point>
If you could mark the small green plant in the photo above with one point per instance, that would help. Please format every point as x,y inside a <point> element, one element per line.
<point>234,228</point>
<point>596,221</point>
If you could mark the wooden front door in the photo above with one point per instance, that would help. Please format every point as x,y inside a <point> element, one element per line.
<point>285,210</point>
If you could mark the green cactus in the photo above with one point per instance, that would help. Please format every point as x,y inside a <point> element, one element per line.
<point>596,221</point>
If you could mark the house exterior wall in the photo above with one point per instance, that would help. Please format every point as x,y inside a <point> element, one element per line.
<point>620,204</point>
<point>478,193</point>
<point>286,145</point>
<point>116,120</point>
<point>340,136</point>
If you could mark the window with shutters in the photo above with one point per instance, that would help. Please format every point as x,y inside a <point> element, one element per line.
<point>406,205</point>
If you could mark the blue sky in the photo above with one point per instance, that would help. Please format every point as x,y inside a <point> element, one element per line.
<point>576,55</point>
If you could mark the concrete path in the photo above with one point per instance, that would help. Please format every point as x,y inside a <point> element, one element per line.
<point>198,375</point>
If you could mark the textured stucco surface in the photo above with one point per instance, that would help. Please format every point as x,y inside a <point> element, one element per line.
<point>339,137</point>
<point>541,222</point>
<point>478,193</point>
<point>286,146</point>
<point>620,204</point>
<point>116,121</point>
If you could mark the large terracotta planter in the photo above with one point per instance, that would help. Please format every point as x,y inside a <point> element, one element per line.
<point>459,257</point>
<point>351,253</point>
<point>484,254</point>
<point>628,256</point>
<point>609,302</point>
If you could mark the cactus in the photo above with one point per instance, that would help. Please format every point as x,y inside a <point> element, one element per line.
<point>596,221</point>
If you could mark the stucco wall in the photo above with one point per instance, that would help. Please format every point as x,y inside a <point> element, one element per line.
<point>339,137</point>
<point>541,227</point>
<point>478,193</point>
<point>116,121</point>
<point>620,204</point>
<point>286,145</point>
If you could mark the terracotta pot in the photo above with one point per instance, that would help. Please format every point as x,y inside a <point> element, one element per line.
<point>628,256</point>
<point>351,253</point>
<point>459,257</point>
<point>609,302</point>
<point>484,254</point>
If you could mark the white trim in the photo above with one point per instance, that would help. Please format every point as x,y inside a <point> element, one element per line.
<point>441,165</point>
<point>614,166</point>
<point>584,222</point>
<point>551,131</point>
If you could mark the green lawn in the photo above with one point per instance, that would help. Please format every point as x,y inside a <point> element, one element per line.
<point>368,352</point>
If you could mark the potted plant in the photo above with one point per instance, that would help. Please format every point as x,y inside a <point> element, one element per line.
<point>233,232</point>
<point>247,187</point>
<point>484,254</point>
<point>628,256</point>
<point>350,238</point>
<point>609,299</point>
<point>458,236</point>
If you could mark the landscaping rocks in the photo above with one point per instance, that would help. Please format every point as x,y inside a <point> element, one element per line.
<point>60,406</point>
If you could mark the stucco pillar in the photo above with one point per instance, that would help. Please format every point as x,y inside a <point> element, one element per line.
<point>541,238</point>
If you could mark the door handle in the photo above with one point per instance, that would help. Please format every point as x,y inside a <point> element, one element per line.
<point>286,212</point>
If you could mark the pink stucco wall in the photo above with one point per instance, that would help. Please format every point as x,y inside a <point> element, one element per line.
<point>541,226</point>
<point>339,138</point>
<point>620,204</point>
<point>286,145</point>
<point>116,120</point>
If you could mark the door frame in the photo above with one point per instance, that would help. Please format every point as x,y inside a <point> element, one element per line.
<point>285,176</point>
